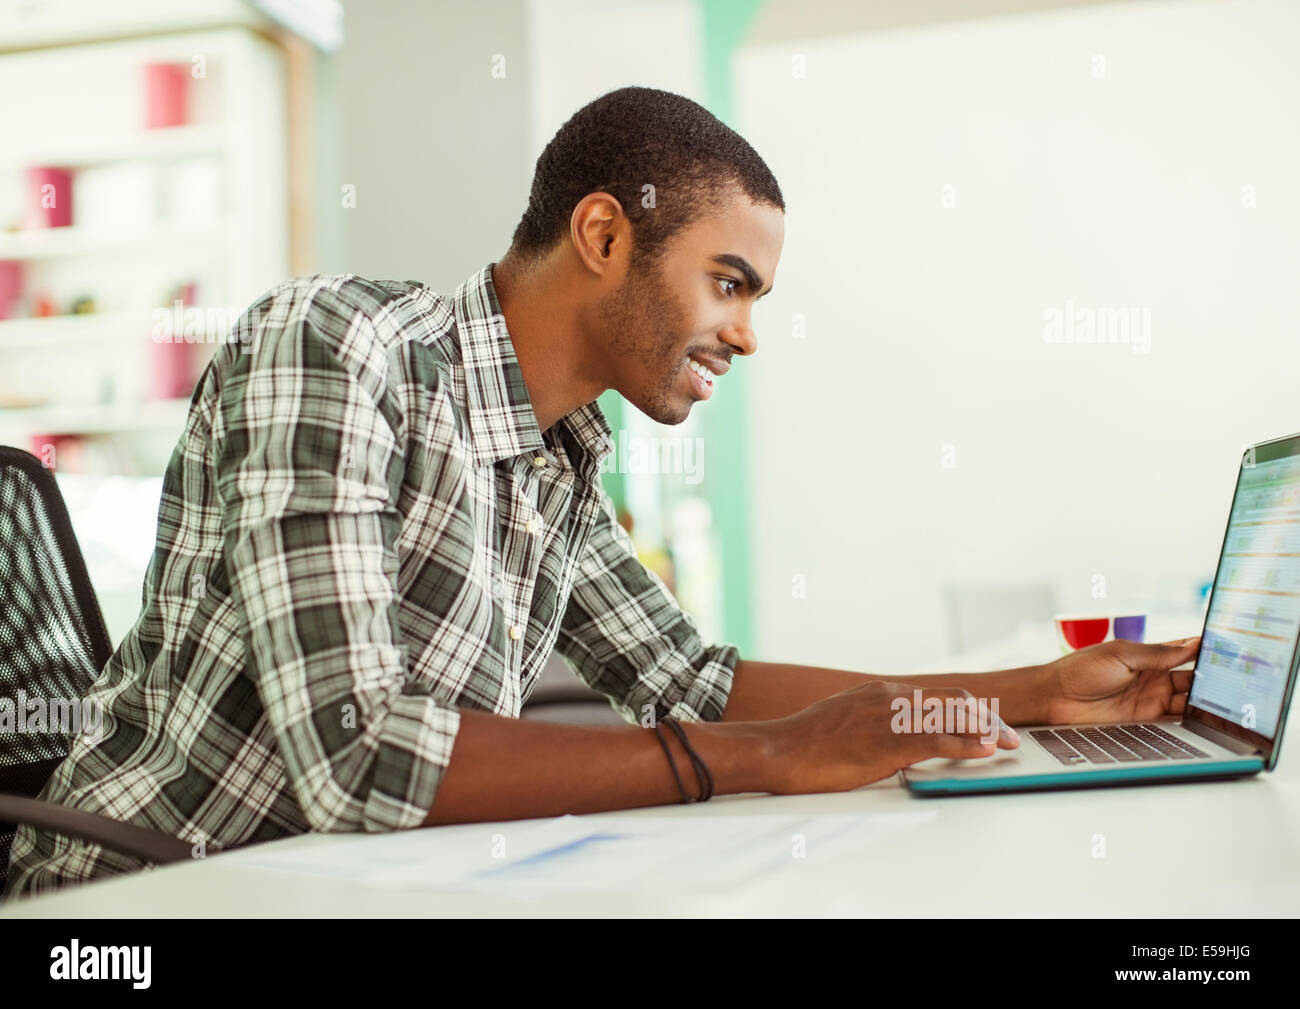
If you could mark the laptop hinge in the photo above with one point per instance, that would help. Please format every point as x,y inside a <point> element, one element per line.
<point>1216,736</point>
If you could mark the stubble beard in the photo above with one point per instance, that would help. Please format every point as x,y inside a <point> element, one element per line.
<point>644,333</point>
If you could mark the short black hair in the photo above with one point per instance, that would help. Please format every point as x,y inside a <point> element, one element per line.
<point>628,139</point>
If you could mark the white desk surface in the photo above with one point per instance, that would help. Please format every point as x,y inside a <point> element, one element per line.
<point>1205,849</point>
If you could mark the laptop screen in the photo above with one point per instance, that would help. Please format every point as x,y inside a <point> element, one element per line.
<point>1248,646</point>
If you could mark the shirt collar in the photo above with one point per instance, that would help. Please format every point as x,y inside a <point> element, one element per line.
<point>501,420</point>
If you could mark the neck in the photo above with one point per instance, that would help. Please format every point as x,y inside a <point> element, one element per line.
<point>543,313</point>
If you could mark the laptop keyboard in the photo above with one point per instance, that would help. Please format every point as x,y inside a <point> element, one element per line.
<point>1114,744</point>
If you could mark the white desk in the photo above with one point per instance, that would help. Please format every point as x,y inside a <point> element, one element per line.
<point>1221,848</point>
<point>1212,849</point>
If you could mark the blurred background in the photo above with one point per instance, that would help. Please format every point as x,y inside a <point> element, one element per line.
<point>1037,294</point>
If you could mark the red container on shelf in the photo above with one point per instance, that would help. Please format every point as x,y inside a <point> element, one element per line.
<point>49,197</point>
<point>65,452</point>
<point>166,95</point>
<point>11,286</point>
<point>174,360</point>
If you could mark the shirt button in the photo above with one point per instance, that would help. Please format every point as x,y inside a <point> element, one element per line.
<point>532,525</point>
<point>539,461</point>
<point>516,632</point>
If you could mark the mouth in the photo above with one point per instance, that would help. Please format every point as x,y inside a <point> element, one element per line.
<point>704,371</point>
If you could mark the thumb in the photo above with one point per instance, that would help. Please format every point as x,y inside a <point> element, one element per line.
<point>1167,655</point>
<point>956,747</point>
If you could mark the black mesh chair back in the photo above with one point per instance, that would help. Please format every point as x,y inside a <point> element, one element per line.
<point>53,642</point>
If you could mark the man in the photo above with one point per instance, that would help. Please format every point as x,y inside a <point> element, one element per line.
<point>385,513</point>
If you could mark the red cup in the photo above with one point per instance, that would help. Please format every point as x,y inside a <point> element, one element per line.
<point>1075,631</point>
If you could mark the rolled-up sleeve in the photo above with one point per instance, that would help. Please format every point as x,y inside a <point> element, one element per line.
<point>308,471</point>
<point>625,635</point>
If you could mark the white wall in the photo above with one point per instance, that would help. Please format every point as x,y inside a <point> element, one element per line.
<point>580,49</point>
<point>436,146</point>
<point>440,151</point>
<point>925,324</point>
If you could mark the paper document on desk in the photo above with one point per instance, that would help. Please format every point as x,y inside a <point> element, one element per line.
<point>580,853</point>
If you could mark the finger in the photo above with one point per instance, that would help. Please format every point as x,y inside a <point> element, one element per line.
<point>1008,738</point>
<point>965,715</point>
<point>1182,679</point>
<point>981,718</point>
<point>1178,704</point>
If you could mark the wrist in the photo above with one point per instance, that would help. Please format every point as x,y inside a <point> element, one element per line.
<point>1042,684</point>
<point>742,756</point>
<point>1025,694</point>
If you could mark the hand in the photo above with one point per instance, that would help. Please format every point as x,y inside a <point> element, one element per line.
<point>1121,681</point>
<point>863,734</point>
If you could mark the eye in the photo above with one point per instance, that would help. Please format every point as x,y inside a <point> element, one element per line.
<point>729,280</point>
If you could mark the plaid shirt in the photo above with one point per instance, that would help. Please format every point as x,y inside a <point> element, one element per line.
<point>362,531</point>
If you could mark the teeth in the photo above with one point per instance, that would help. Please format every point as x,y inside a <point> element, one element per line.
<point>700,370</point>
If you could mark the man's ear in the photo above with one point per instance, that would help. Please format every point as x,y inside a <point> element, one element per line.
<point>593,231</point>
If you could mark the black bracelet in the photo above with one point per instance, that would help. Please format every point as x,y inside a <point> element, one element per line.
<point>672,763</point>
<point>702,773</point>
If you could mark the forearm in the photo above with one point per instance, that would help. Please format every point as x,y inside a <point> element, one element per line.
<point>511,769</point>
<point>1022,694</point>
<point>766,690</point>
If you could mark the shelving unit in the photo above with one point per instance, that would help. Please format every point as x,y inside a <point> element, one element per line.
<point>57,243</point>
<point>67,330</point>
<point>204,209</point>
<point>170,143</point>
<point>112,418</point>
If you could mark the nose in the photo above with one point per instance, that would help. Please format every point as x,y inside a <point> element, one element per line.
<point>739,335</point>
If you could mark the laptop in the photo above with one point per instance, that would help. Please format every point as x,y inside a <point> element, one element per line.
<point>1242,684</point>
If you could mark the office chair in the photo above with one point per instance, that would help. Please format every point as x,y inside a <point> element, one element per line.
<point>53,644</point>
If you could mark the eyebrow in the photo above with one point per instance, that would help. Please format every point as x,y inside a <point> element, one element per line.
<point>752,280</point>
